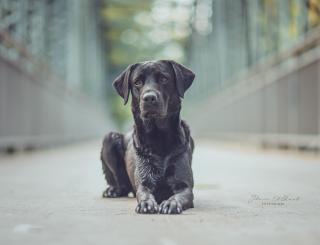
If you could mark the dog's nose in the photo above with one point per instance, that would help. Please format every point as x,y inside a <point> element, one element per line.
<point>150,97</point>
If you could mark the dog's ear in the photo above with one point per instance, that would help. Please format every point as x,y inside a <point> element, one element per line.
<point>184,77</point>
<point>122,83</point>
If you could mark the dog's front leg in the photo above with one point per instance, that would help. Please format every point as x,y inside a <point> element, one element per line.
<point>146,201</point>
<point>182,200</point>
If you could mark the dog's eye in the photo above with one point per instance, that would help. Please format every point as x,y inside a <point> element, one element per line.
<point>163,80</point>
<point>138,83</point>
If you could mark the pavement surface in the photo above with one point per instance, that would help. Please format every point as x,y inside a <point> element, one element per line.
<point>242,196</point>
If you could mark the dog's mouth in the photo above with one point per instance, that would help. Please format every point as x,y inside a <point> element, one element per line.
<point>154,110</point>
<point>149,114</point>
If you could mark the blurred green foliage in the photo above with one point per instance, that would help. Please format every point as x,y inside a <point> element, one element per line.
<point>138,30</point>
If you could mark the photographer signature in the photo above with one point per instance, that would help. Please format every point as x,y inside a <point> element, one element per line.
<point>276,200</point>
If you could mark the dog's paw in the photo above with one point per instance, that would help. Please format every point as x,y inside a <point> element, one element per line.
<point>112,192</point>
<point>149,206</point>
<point>170,206</point>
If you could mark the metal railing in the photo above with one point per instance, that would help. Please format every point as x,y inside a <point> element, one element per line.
<point>274,98</point>
<point>42,99</point>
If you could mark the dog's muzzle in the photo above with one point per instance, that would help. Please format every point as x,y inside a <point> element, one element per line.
<point>151,105</point>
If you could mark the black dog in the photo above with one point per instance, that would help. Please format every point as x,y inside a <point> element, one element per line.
<point>154,160</point>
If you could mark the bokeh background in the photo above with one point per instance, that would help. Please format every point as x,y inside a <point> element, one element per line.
<point>257,65</point>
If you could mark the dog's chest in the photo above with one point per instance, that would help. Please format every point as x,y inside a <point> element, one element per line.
<point>152,169</point>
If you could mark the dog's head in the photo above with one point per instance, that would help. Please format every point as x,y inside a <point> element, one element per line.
<point>156,87</point>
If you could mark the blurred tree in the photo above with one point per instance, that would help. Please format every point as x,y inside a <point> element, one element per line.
<point>313,12</point>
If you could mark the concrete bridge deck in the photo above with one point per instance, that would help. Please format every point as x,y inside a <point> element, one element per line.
<point>241,197</point>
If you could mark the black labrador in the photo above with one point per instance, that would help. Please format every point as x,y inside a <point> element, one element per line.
<point>154,160</point>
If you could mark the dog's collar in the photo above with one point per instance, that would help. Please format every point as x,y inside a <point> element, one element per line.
<point>145,151</point>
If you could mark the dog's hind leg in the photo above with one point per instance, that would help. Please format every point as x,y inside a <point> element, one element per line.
<point>113,166</point>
